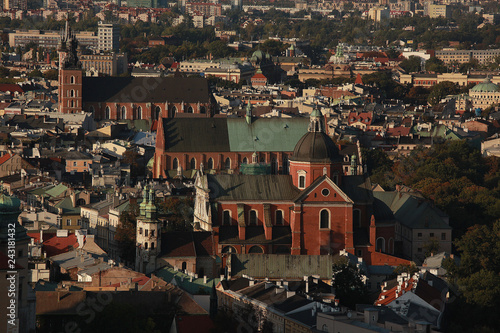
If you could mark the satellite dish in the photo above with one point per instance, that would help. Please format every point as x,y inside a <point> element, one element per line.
<point>349,314</point>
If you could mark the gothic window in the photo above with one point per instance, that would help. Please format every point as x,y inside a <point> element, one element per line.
<point>72,93</point>
<point>324,219</point>
<point>279,217</point>
<point>175,163</point>
<point>72,80</point>
<point>184,265</point>
<point>72,103</point>
<point>192,164</point>
<point>138,114</point>
<point>252,219</point>
<point>203,109</point>
<point>157,113</point>
<point>210,164</point>
<point>146,245</point>
<point>380,244</point>
<point>107,113</point>
<point>226,218</point>
<point>189,109</point>
<point>124,113</point>
<point>227,164</point>
<point>152,245</point>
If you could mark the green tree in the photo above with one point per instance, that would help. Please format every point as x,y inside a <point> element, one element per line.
<point>51,74</point>
<point>126,233</point>
<point>35,73</point>
<point>435,65</point>
<point>411,65</point>
<point>349,287</point>
<point>441,90</point>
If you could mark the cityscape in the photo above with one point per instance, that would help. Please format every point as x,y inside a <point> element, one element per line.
<point>249,166</point>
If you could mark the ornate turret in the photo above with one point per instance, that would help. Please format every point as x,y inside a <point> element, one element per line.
<point>248,115</point>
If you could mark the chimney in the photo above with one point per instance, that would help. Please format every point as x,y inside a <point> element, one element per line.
<point>41,236</point>
<point>205,279</point>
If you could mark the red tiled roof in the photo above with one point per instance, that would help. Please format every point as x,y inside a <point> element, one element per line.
<point>54,245</point>
<point>379,258</point>
<point>390,295</point>
<point>11,87</point>
<point>358,79</point>
<point>5,158</point>
<point>399,131</point>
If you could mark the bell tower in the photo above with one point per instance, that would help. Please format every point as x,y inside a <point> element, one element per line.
<point>70,73</point>
<point>148,234</point>
<point>315,155</point>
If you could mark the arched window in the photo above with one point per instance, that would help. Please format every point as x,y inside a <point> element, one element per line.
<point>203,109</point>
<point>138,113</point>
<point>228,249</point>
<point>301,174</point>
<point>72,103</point>
<point>324,219</point>
<point>380,244</point>
<point>356,218</point>
<point>124,113</point>
<point>227,164</point>
<point>157,113</point>
<point>252,217</point>
<point>210,164</point>
<point>226,219</point>
<point>72,93</point>
<point>245,160</point>
<point>192,164</point>
<point>255,249</point>
<point>107,112</point>
<point>72,80</point>
<point>184,266</point>
<point>152,245</point>
<point>279,217</point>
<point>173,111</point>
<point>146,245</point>
<point>189,109</point>
<point>286,166</point>
<point>175,163</point>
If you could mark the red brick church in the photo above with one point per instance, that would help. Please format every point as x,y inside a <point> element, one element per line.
<point>317,209</point>
<point>128,98</point>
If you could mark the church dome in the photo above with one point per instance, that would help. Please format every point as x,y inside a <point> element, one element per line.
<point>486,86</point>
<point>9,204</point>
<point>315,147</point>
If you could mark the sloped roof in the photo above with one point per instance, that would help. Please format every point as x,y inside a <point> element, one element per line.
<point>279,266</point>
<point>56,190</point>
<point>252,187</point>
<point>233,134</point>
<point>5,158</point>
<point>54,245</point>
<point>146,90</point>
<point>181,280</point>
<point>412,211</point>
<point>187,244</point>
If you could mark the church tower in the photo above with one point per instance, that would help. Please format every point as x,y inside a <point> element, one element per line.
<point>70,73</point>
<point>148,234</point>
<point>315,155</point>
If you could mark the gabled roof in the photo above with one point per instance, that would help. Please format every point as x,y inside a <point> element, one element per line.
<point>412,211</point>
<point>316,184</point>
<point>251,187</point>
<point>232,134</point>
<point>146,90</point>
<point>5,158</point>
<point>54,245</point>
<point>187,244</point>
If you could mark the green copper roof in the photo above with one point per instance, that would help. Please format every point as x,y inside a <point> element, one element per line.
<point>272,134</point>
<point>485,86</point>
<point>316,113</point>
<point>57,190</point>
<point>196,286</point>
